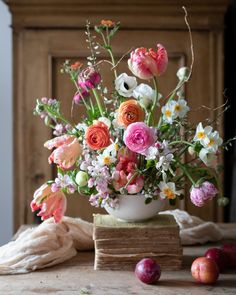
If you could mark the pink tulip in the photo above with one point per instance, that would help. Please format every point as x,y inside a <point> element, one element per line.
<point>67,151</point>
<point>147,63</point>
<point>80,95</point>
<point>89,78</point>
<point>50,204</point>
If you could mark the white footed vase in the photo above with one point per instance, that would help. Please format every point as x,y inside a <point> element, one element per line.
<point>132,208</point>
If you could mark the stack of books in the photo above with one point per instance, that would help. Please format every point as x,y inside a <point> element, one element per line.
<point>120,245</point>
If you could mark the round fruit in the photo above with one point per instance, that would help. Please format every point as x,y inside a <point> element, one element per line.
<point>230,251</point>
<point>219,257</point>
<point>148,271</point>
<point>205,270</point>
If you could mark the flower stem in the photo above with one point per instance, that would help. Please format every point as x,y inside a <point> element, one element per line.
<point>181,141</point>
<point>108,47</point>
<point>132,178</point>
<point>98,101</point>
<point>84,102</point>
<point>150,116</point>
<point>185,170</point>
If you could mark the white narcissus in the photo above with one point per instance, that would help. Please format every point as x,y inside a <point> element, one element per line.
<point>180,108</point>
<point>168,112</point>
<point>208,158</point>
<point>212,142</point>
<point>168,190</point>
<point>202,133</point>
<point>125,85</point>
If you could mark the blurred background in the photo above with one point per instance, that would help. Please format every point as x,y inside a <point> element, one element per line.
<point>37,36</point>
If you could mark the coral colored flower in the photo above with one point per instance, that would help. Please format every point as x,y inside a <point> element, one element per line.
<point>148,63</point>
<point>50,204</point>
<point>76,65</point>
<point>97,136</point>
<point>67,151</point>
<point>107,23</point>
<point>89,78</point>
<point>200,195</point>
<point>129,112</point>
<point>138,137</point>
<point>120,179</point>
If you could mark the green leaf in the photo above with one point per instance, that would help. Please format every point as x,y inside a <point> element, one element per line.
<point>150,163</point>
<point>113,31</point>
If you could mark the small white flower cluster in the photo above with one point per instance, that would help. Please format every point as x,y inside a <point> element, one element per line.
<point>162,153</point>
<point>210,140</point>
<point>127,86</point>
<point>174,109</point>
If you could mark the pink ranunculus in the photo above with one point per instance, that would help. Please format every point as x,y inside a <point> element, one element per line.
<point>67,151</point>
<point>209,189</point>
<point>197,196</point>
<point>148,63</point>
<point>200,195</point>
<point>50,204</point>
<point>138,137</point>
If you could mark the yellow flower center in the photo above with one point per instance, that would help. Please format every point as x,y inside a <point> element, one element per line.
<point>107,160</point>
<point>201,135</point>
<point>211,142</point>
<point>167,113</point>
<point>169,193</point>
<point>177,108</point>
<point>116,147</point>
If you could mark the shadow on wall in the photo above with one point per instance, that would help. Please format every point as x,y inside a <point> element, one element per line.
<point>230,124</point>
<point>6,192</point>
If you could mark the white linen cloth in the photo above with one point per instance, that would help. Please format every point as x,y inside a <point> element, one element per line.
<point>50,243</point>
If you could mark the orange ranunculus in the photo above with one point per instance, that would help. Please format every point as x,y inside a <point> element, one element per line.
<point>129,112</point>
<point>97,136</point>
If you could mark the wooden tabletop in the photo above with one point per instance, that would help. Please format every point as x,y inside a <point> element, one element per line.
<point>77,276</point>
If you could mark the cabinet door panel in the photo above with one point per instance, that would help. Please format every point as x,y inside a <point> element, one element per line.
<point>43,52</point>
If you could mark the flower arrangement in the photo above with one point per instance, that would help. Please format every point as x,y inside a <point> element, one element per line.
<point>122,145</point>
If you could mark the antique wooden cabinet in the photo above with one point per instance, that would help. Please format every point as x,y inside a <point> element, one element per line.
<point>47,32</point>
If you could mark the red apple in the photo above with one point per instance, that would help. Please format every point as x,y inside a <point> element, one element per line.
<point>205,270</point>
<point>230,251</point>
<point>148,271</point>
<point>219,257</point>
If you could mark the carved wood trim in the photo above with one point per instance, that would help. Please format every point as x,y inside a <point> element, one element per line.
<point>158,14</point>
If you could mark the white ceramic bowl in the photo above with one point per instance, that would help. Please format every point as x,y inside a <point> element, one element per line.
<point>133,208</point>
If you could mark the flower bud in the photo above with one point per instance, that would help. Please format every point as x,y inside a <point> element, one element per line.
<point>191,151</point>
<point>222,201</point>
<point>81,178</point>
<point>183,73</point>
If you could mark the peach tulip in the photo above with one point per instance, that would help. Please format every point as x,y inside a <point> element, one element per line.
<point>67,151</point>
<point>50,204</point>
